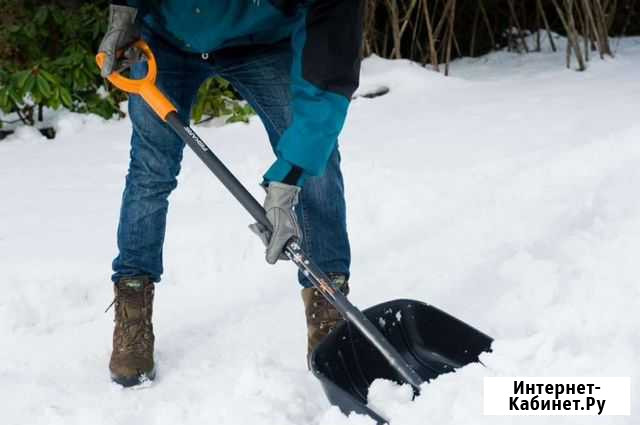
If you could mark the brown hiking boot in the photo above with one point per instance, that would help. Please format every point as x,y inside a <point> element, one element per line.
<point>322,317</point>
<point>132,357</point>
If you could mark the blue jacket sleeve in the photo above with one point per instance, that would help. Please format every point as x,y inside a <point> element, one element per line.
<point>326,45</point>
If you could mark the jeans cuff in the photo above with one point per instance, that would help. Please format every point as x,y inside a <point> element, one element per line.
<point>306,283</point>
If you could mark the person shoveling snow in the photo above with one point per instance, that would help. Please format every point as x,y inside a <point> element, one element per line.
<point>301,92</point>
<point>303,129</point>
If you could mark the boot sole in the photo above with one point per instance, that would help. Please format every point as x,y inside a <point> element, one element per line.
<point>132,381</point>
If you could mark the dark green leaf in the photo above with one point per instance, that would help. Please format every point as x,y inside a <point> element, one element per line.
<point>65,97</point>
<point>22,77</point>
<point>43,86</point>
<point>29,84</point>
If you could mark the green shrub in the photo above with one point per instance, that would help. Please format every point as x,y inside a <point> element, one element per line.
<point>217,98</point>
<point>50,61</point>
<point>47,60</point>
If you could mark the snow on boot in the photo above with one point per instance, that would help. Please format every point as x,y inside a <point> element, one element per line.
<point>132,357</point>
<point>322,317</point>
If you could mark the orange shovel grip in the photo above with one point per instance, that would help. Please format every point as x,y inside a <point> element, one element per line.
<point>145,87</point>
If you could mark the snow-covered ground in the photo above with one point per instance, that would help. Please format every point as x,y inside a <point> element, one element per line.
<point>506,195</point>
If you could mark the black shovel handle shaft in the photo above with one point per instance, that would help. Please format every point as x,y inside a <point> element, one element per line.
<point>293,250</point>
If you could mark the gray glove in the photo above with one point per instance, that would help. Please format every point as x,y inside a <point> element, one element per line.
<point>121,34</point>
<point>279,204</point>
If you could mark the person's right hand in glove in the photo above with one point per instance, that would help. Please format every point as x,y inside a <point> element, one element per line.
<point>121,34</point>
<point>279,206</point>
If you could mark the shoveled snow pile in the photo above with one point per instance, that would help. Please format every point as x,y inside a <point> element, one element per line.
<point>506,195</point>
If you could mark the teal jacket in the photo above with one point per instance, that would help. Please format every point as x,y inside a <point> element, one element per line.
<point>326,36</point>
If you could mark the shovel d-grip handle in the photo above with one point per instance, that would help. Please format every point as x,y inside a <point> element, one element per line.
<point>145,87</point>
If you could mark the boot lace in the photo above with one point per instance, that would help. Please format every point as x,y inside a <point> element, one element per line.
<point>135,335</point>
<point>325,315</point>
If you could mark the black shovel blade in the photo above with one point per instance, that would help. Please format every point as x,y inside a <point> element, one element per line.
<point>431,341</point>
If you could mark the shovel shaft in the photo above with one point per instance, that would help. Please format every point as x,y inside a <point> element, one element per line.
<point>293,250</point>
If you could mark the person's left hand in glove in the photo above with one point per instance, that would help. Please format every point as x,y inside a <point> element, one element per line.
<point>121,34</point>
<point>279,205</point>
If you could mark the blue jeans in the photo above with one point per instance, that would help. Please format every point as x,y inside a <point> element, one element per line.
<point>261,75</point>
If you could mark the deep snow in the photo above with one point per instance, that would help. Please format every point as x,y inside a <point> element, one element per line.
<point>506,194</point>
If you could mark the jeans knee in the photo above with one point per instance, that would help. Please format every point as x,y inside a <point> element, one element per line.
<point>150,185</point>
<point>156,154</point>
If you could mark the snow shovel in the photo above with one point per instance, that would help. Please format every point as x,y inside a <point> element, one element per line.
<point>405,341</point>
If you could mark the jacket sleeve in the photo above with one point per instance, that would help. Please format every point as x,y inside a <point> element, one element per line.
<point>325,72</point>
